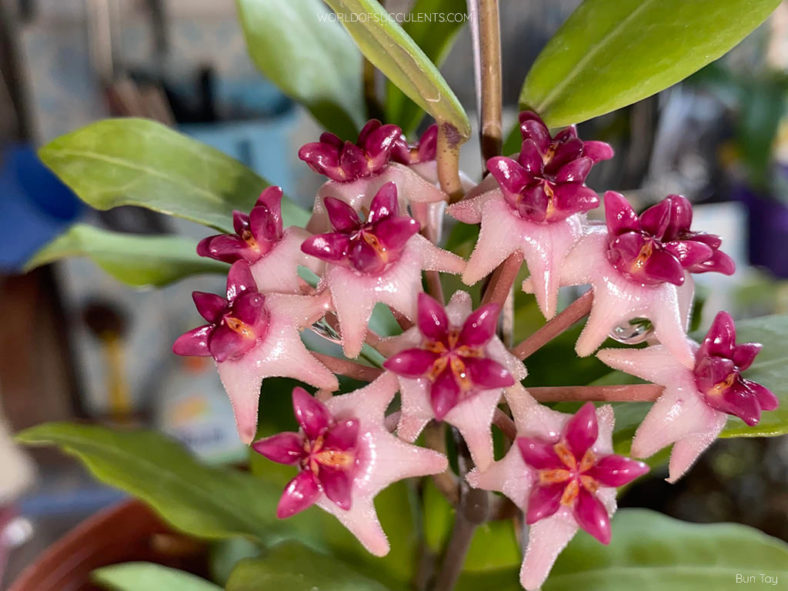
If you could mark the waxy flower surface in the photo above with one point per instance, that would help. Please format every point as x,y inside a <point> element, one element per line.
<point>357,171</point>
<point>693,409</point>
<point>536,208</point>
<point>345,457</point>
<point>635,274</point>
<point>252,336</point>
<point>562,473</point>
<point>376,260</point>
<point>273,253</point>
<point>452,367</point>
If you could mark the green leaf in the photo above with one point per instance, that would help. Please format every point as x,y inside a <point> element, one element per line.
<point>140,162</point>
<point>652,552</point>
<point>394,53</point>
<point>301,48</point>
<point>144,576</point>
<point>199,500</point>
<point>294,567</point>
<point>432,24</point>
<point>612,53</point>
<point>133,259</point>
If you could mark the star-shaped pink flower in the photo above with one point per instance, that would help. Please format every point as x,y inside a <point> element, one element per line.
<point>358,171</point>
<point>562,473</point>
<point>537,205</point>
<point>639,268</point>
<point>273,253</point>
<point>346,457</point>
<point>693,409</point>
<point>452,367</point>
<point>377,260</point>
<point>252,336</point>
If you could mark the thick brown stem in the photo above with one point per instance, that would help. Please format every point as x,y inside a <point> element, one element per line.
<point>505,424</point>
<point>502,279</point>
<point>629,393</point>
<point>490,33</point>
<point>574,312</point>
<point>448,160</point>
<point>348,368</point>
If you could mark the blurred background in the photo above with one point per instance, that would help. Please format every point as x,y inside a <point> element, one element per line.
<point>75,343</point>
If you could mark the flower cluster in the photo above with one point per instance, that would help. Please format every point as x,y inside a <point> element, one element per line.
<point>372,236</point>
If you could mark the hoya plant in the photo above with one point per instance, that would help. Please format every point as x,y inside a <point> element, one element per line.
<point>418,453</point>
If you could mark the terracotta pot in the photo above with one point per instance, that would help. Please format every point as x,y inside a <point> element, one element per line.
<point>126,532</point>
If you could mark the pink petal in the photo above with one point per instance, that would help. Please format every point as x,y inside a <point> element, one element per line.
<point>194,342</point>
<point>384,204</point>
<point>721,338</point>
<point>327,247</point>
<point>283,448</point>
<point>271,197</point>
<point>614,470</point>
<point>718,263</point>
<point>766,398</point>
<point>573,198</point>
<point>619,215</point>
<point>597,151</point>
<point>264,225</point>
<point>689,253</point>
<point>222,247</point>
<point>249,308</point>
<point>323,159</point>
<point>510,175</point>
<point>531,127</point>
<point>543,502</point>
<point>432,320</point>
<point>300,493</point>
<point>480,326</point>
<point>488,374</point>
<point>680,217</point>
<point>365,258</point>
<point>240,221</point>
<point>546,539</point>
<point>575,171</point>
<point>338,486</point>
<point>343,217</point>
<point>565,152</point>
<point>738,400</point>
<point>331,139</point>
<point>662,266</point>
<point>310,413</point>
<point>411,363</point>
<point>539,454</point>
<point>655,219</point>
<point>209,305</point>
<point>224,343</point>
<point>342,436</point>
<point>592,516</point>
<point>582,430</point>
<point>444,394</point>
<point>428,144</point>
<point>353,161</point>
<point>379,144</point>
<point>394,232</point>
<point>239,280</point>
<point>744,354</point>
<point>530,158</point>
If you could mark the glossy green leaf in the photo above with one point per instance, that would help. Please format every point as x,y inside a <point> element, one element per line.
<point>140,162</point>
<point>612,53</point>
<point>433,25</point>
<point>300,47</point>
<point>137,260</point>
<point>294,567</point>
<point>144,576</point>
<point>199,500</point>
<point>652,552</point>
<point>394,53</point>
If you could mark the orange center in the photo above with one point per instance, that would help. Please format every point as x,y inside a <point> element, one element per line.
<point>452,357</point>
<point>573,474</point>
<point>239,326</point>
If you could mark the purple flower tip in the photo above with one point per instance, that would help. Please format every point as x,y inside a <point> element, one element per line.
<point>255,234</point>
<point>453,359</point>
<point>658,246</point>
<point>235,324</point>
<point>325,450</point>
<point>424,150</point>
<point>366,246</point>
<point>719,364</point>
<point>569,473</point>
<point>547,181</point>
<point>345,161</point>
